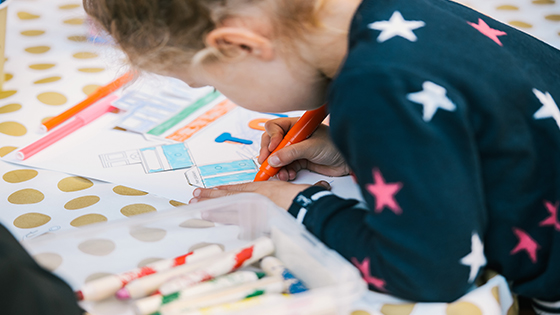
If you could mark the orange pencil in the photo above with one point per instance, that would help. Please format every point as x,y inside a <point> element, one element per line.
<point>92,98</point>
<point>300,131</point>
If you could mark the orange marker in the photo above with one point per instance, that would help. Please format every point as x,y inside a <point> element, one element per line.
<point>300,131</point>
<point>92,98</point>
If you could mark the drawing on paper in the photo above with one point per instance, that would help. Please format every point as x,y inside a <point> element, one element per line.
<point>153,159</point>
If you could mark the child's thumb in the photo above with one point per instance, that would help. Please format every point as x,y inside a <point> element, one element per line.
<point>285,156</point>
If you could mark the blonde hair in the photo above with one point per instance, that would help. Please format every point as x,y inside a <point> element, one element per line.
<point>159,35</point>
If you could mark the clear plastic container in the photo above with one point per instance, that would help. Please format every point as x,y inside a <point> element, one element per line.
<point>118,246</point>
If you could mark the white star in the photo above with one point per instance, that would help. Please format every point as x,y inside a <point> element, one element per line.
<point>549,108</point>
<point>476,257</point>
<point>396,26</point>
<point>432,97</point>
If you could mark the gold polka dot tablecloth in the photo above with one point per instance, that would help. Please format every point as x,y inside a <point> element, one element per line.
<point>51,66</point>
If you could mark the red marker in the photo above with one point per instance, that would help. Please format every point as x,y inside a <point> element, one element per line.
<point>301,130</point>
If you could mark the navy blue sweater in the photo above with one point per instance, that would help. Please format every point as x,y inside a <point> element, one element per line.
<point>449,121</point>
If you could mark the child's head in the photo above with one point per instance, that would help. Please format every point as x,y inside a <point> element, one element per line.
<point>253,51</point>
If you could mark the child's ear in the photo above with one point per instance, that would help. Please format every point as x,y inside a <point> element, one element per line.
<point>241,40</point>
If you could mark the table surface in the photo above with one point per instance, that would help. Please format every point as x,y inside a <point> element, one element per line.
<point>51,66</point>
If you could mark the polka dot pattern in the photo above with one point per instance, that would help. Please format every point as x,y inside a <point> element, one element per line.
<point>26,196</point>
<point>69,6</point>
<point>97,247</point>
<point>81,202</point>
<point>85,55</point>
<point>77,38</point>
<point>37,49</point>
<point>52,98</point>
<point>91,70</point>
<point>146,234</point>
<point>75,21</point>
<point>403,309</point>
<point>41,66</point>
<point>31,220</point>
<point>175,203</point>
<point>90,88</point>
<point>463,308</point>
<point>27,16</point>
<point>137,208</point>
<point>88,219</point>
<point>10,108</point>
<point>32,33</point>
<point>126,191</point>
<point>12,128</point>
<point>7,93</point>
<point>48,80</point>
<point>74,183</point>
<point>6,150</point>
<point>197,224</point>
<point>19,176</point>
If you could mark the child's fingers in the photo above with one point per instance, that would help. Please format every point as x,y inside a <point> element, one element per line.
<point>277,129</point>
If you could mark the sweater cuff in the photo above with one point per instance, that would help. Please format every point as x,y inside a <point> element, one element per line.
<point>305,199</point>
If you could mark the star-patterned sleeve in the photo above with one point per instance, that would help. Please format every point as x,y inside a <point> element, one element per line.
<point>413,152</point>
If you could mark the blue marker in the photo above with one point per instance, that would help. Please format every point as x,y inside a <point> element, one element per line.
<point>272,266</point>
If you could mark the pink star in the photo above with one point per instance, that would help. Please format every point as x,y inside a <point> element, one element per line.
<point>553,219</point>
<point>525,243</point>
<point>364,269</point>
<point>384,193</point>
<point>488,31</point>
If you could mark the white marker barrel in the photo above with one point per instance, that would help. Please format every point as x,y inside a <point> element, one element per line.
<point>153,303</point>
<point>107,286</point>
<point>229,262</point>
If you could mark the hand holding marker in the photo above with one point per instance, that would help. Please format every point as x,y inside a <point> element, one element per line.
<point>300,131</point>
<point>107,286</point>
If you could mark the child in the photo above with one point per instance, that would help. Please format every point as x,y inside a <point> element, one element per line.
<point>446,118</point>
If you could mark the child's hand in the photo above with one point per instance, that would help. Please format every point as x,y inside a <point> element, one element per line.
<point>317,154</point>
<point>281,193</point>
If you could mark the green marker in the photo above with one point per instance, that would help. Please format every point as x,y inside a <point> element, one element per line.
<point>153,303</point>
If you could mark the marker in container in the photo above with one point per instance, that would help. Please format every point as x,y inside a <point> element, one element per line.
<point>153,303</point>
<point>247,290</point>
<point>81,119</point>
<point>205,270</point>
<point>231,261</point>
<point>107,286</point>
<point>242,305</point>
<point>272,266</point>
